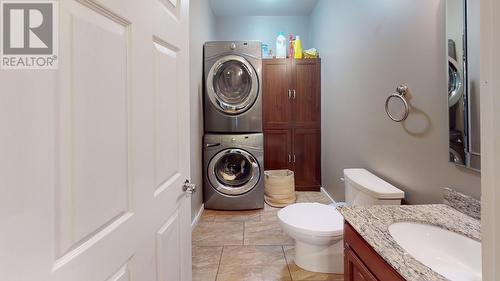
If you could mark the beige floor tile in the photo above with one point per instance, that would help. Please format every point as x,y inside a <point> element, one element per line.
<point>270,215</point>
<point>251,255</point>
<point>265,233</point>
<point>278,272</point>
<point>253,263</point>
<point>206,263</point>
<point>218,234</point>
<point>207,216</point>
<point>270,208</point>
<point>318,197</point>
<point>233,216</point>
<point>302,197</point>
<point>299,274</point>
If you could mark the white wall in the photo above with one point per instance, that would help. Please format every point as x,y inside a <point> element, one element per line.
<point>201,29</point>
<point>368,48</point>
<point>262,28</point>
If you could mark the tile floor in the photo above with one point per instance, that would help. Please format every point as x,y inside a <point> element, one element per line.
<point>249,246</point>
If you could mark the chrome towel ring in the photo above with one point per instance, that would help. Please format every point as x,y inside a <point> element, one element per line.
<point>401,92</point>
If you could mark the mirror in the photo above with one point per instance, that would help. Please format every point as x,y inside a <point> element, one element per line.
<point>462,24</point>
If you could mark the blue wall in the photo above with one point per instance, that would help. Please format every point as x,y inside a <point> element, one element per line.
<point>262,28</point>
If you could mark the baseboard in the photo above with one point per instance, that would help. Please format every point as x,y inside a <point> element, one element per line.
<point>328,195</point>
<point>197,217</point>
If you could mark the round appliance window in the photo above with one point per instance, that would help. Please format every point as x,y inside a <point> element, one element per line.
<point>234,85</point>
<point>234,171</point>
<point>455,82</point>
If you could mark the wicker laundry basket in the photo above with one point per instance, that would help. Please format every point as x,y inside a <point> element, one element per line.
<point>279,188</point>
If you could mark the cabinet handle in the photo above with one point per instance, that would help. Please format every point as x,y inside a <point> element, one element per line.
<point>294,158</point>
<point>289,158</point>
<point>293,93</point>
<point>289,94</point>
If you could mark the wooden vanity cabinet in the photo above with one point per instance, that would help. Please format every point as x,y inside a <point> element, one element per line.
<point>362,263</point>
<point>291,102</point>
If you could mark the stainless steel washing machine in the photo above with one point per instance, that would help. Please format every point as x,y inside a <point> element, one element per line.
<point>233,171</point>
<point>232,92</point>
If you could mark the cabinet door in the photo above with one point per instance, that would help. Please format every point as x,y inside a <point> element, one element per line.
<point>307,158</point>
<point>277,149</point>
<point>276,93</point>
<point>354,269</point>
<point>306,94</point>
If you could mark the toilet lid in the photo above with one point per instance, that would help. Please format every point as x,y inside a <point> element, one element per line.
<point>313,218</point>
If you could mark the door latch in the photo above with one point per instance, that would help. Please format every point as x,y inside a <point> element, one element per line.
<point>188,187</point>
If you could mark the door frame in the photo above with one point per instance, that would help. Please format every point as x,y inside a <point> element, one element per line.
<point>490,139</point>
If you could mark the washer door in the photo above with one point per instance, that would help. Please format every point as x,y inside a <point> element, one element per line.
<point>455,82</point>
<point>233,171</point>
<point>232,85</point>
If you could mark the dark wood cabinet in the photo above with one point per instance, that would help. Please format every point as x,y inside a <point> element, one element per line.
<point>361,262</point>
<point>277,108</point>
<point>292,119</point>
<point>355,269</point>
<point>307,96</point>
<point>307,158</point>
<point>278,149</point>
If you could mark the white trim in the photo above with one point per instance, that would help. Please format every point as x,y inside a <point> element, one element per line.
<point>490,140</point>
<point>323,190</point>
<point>196,219</point>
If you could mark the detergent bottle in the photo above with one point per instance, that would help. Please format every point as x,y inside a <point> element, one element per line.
<point>281,46</point>
<point>297,48</point>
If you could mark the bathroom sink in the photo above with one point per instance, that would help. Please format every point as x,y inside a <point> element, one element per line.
<point>454,256</point>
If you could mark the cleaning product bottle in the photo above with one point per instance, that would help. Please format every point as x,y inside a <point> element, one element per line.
<point>297,48</point>
<point>291,51</point>
<point>281,46</point>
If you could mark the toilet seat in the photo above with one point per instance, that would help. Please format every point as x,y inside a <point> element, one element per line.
<point>313,219</point>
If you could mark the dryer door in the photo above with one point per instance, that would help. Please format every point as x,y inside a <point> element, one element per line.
<point>232,85</point>
<point>233,171</point>
<point>455,82</point>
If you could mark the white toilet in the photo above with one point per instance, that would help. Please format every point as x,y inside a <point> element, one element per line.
<point>318,228</point>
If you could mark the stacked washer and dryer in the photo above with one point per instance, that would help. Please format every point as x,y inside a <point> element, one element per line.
<point>233,145</point>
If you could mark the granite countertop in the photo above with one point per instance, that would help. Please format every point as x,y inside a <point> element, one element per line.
<point>372,223</point>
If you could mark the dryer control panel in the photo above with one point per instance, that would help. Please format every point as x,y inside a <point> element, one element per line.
<point>250,140</point>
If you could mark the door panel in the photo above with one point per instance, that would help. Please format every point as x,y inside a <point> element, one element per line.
<point>121,275</point>
<point>307,95</point>
<point>276,93</point>
<point>93,154</point>
<point>93,133</point>
<point>168,267</point>
<point>307,151</point>
<point>277,149</point>
<point>167,134</point>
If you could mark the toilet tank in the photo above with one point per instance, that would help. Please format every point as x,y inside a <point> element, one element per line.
<point>363,188</point>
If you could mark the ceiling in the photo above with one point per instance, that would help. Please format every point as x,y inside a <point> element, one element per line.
<point>262,7</point>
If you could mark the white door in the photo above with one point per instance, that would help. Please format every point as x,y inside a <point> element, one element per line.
<point>93,155</point>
